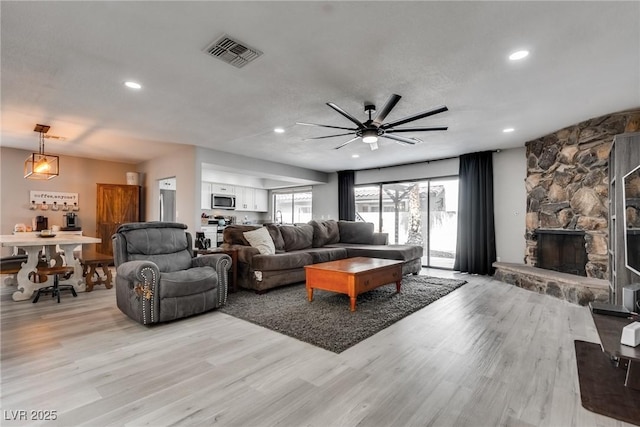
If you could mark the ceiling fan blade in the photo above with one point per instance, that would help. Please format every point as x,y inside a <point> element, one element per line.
<point>342,145</point>
<point>410,141</point>
<point>325,126</point>
<point>328,136</point>
<point>440,109</point>
<point>391,102</point>
<point>347,115</point>
<point>416,129</point>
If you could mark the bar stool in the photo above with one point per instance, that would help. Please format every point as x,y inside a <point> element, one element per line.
<point>56,288</point>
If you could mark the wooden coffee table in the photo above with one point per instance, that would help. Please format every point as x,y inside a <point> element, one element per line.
<point>353,276</point>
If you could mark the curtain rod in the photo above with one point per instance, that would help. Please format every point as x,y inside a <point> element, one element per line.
<point>422,161</point>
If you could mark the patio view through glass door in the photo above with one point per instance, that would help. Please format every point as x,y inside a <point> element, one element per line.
<point>422,213</point>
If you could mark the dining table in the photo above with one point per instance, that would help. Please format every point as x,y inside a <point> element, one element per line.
<point>34,244</point>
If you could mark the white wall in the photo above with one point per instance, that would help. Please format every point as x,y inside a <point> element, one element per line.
<point>510,203</point>
<point>181,165</point>
<point>325,199</point>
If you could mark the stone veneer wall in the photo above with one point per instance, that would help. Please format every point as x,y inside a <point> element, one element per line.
<point>568,186</point>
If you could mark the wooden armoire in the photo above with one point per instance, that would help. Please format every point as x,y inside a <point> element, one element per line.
<point>116,204</point>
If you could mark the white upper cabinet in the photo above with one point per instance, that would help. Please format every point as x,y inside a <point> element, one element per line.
<point>224,189</point>
<point>261,200</point>
<point>244,199</point>
<point>205,199</point>
<point>251,199</point>
<point>247,198</point>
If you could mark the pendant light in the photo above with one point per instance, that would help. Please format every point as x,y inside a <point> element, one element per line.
<point>40,165</point>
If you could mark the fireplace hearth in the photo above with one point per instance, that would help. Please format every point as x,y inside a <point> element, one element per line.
<point>562,250</point>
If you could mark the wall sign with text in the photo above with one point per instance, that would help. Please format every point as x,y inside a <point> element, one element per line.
<point>53,199</point>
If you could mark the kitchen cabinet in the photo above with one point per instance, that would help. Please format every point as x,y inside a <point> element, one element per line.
<point>244,198</point>
<point>205,198</point>
<point>251,199</point>
<point>116,204</point>
<point>224,189</point>
<point>261,200</point>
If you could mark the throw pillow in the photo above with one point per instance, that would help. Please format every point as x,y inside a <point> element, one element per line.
<point>276,236</point>
<point>297,237</point>
<point>234,234</point>
<point>325,232</point>
<point>356,232</point>
<point>261,240</point>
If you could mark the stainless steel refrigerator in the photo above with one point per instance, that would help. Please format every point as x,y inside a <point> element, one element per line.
<point>167,205</point>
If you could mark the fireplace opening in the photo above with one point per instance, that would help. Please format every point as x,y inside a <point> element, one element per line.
<point>562,250</point>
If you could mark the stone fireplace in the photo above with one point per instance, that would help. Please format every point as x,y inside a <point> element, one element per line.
<point>567,220</point>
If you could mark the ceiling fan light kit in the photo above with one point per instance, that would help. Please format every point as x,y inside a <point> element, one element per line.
<point>40,165</point>
<point>374,128</point>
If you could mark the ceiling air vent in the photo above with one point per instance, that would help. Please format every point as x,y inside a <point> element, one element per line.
<point>232,51</point>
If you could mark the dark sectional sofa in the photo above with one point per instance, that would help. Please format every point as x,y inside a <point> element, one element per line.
<point>312,243</point>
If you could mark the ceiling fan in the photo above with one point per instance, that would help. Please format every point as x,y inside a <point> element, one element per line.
<point>374,128</point>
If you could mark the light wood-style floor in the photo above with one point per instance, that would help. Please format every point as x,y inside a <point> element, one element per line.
<point>487,354</point>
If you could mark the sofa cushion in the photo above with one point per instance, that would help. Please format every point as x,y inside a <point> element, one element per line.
<point>233,234</point>
<point>276,236</point>
<point>325,232</point>
<point>261,240</point>
<point>187,282</point>
<point>297,237</point>
<point>282,261</point>
<point>397,252</point>
<point>356,232</point>
<point>326,254</point>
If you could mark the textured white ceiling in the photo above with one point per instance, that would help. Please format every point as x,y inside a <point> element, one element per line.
<point>63,64</point>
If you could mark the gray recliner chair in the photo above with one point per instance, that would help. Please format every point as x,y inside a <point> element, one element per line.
<point>157,276</point>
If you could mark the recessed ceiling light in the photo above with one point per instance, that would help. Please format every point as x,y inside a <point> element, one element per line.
<point>507,130</point>
<point>355,156</point>
<point>278,130</point>
<point>133,85</point>
<point>520,54</point>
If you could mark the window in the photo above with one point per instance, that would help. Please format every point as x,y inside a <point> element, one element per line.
<point>416,212</point>
<point>292,205</point>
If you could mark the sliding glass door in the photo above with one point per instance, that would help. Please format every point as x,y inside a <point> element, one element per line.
<point>414,212</point>
<point>443,222</point>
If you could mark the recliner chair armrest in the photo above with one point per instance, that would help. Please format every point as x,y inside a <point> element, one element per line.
<point>217,261</point>
<point>136,290</point>
<point>221,263</point>
<point>139,271</point>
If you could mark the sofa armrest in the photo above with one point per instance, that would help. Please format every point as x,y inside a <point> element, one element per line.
<point>245,253</point>
<point>380,238</point>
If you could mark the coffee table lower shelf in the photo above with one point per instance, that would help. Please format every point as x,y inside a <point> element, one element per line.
<point>352,276</point>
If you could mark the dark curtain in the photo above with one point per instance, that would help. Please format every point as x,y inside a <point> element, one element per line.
<point>476,244</point>
<point>346,196</point>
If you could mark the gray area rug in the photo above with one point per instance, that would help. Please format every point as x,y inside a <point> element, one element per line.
<point>327,322</point>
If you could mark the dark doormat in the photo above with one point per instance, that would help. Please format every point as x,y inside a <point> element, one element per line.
<point>602,388</point>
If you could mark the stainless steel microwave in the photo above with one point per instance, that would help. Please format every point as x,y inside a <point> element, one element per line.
<point>223,201</point>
